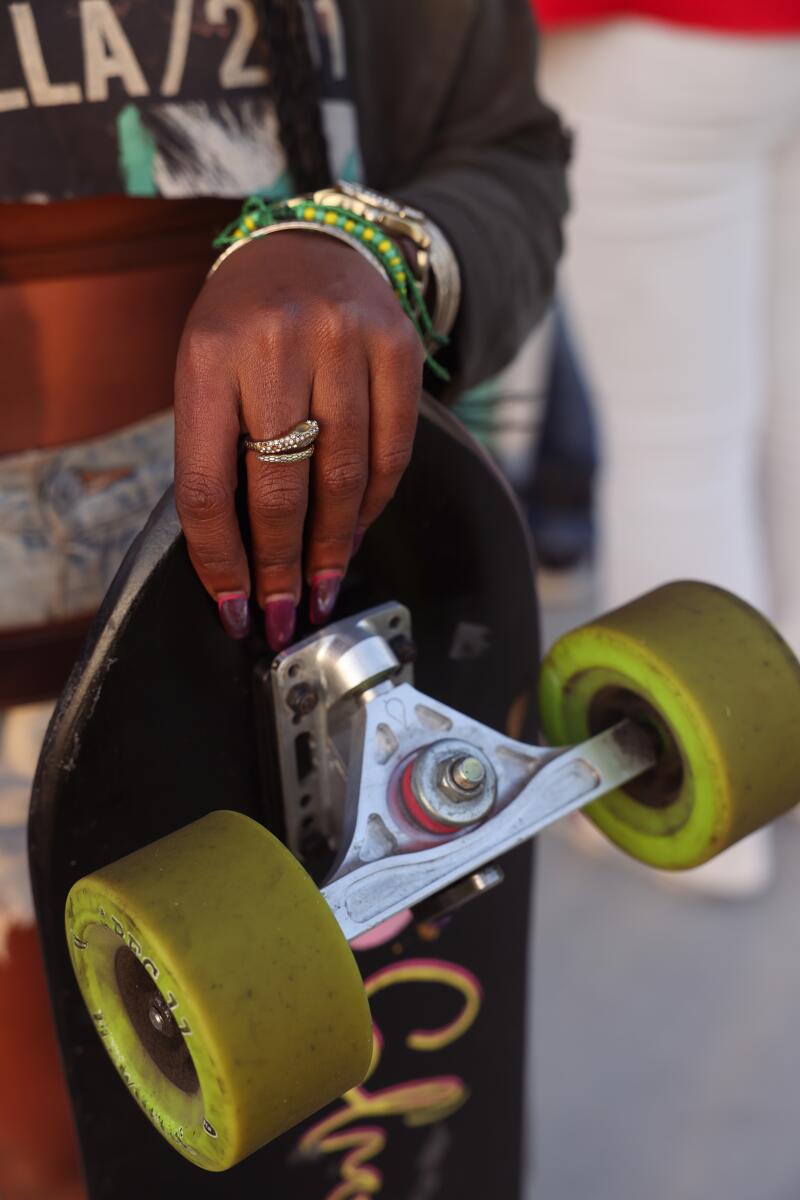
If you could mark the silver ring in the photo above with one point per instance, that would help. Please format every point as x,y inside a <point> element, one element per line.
<point>298,456</point>
<point>303,435</point>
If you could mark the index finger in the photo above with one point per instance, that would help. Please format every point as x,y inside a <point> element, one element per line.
<point>206,437</point>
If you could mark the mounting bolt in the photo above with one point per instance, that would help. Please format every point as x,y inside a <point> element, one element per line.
<point>468,774</point>
<point>302,699</point>
<point>313,845</point>
<point>405,651</point>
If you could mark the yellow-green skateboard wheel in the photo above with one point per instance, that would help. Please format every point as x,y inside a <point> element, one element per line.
<point>720,691</point>
<point>222,986</point>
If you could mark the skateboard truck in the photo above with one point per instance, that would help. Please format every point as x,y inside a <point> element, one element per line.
<point>413,803</point>
<point>419,799</point>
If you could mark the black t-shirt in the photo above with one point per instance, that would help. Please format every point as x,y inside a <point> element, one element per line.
<point>154,98</point>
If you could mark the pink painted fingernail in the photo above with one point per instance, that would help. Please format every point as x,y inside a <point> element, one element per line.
<point>234,613</point>
<point>279,619</point>
<point>324,590</point>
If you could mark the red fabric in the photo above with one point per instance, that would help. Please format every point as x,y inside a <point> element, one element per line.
<point>38,1158</point>
<point>729,16</point>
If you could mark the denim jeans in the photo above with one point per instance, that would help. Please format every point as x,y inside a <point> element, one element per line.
<point>67,516</point>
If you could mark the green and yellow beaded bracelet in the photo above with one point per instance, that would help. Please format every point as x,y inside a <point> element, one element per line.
<point>258,213</point>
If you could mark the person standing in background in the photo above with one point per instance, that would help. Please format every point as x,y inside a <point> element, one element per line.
<point>682,288</point>
<point>129,136</point>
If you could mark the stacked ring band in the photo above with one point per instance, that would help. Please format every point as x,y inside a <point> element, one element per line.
<point>297,456</point>
<point>297,439</point>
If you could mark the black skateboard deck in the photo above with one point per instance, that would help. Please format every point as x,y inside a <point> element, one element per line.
<point>162,722</point>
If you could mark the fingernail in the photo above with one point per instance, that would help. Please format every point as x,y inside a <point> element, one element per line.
<point>279,618</point>
<point>324,590</point>
<point>234,613</point>
<point>357,540</point>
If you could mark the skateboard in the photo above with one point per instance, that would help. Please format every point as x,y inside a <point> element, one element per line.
<point>297,886</point>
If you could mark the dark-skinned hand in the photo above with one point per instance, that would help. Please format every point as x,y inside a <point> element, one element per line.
<point>291,326</point>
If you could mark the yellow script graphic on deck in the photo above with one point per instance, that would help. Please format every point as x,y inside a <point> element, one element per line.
<point>418,1102</point>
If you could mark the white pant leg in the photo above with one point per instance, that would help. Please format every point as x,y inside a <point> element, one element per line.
<point>665,281</point>
<point>782,440</point>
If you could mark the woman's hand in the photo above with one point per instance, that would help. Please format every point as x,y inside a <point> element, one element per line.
<point>294,325</point>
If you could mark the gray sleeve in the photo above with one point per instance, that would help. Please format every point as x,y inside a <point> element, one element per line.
<point>491,172</point>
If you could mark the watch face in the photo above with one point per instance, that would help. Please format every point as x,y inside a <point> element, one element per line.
<point>368,196</point>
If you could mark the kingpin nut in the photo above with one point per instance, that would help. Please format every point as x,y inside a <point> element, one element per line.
<point>467,774</point>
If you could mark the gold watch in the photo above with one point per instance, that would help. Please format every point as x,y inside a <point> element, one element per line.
<point>433,264</point>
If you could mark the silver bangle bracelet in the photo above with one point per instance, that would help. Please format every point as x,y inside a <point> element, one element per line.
<point>447,276</point>
<point>283,226</point>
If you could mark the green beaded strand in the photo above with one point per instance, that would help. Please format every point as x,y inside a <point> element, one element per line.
<point>258,213</point>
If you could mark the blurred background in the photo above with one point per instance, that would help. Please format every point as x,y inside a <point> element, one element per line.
<point>663,1050</point>
<point>651,430</point>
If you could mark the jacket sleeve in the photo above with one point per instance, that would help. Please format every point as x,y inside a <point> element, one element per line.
<point>490,170</point>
